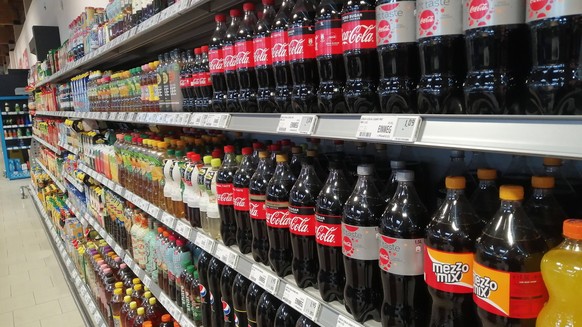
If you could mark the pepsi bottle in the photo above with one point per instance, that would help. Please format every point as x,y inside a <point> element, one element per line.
<point>214,272</point>
<point>226,281</point>
<point>280,56</point>
<point>216,64</point>
<point>224,196</point>
<point>205,301</point>
<point>305,322</point>
<point>245,65</point>
<point>254,294</point>
<point>264,59</point>
<point>241,181</point>
<point>230,62</point>
<point>257,210</point>
<point>240,288</point>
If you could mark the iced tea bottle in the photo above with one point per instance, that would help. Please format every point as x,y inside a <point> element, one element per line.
<point>115,304</point>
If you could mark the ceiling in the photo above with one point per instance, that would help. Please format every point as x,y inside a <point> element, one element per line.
<point>12,15</point>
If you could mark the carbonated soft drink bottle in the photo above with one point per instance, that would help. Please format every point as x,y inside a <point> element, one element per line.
<point>224,196</point>
<point>545,212</point>
<point>205,302</point>
<point>254,294</point>
<point>485,198</point>
<point>264,59</point>
<point>257,210</point>
<point>305,322</point>
<point>240,288</point>
<point>267,309</point>
<point>204,81</point>
<point>245,63</point>
<point>286,316</point>
<point>229,55</point>
<point>241,181</point>
<point>226,281</point>
<point>216,64</point>
<point>215,268</point>
<point>280,56</point>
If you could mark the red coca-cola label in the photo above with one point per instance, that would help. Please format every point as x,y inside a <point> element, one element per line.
<point>229,57</point>
<point>278,214</point>
<point>244,54</point>
<point>224,194</point>
<point>204,79</point>
<point>302,220</point>
<point>257,208</point>
<point>301,43</point>
<point>359,30</point>
<point>215,61</point>
<point>262,49</point>
<point>279,46</point>
<point>184,82</point>
<point>328,37</point>
<point>328,230</point>
<point>241,199</point>
<point>194,80</point>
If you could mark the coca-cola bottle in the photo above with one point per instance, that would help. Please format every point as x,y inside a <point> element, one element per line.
<point>360,220</point>
<point>216,64</point>
<point>257,210</point>
<point>226,281</point>
<point>286,316</point>
<point>397,54</point>
<point>230,62</point>
<point>224,196</point>
<point>254,294</point>
<point>215,268</point>
<point>241,181</point>
<point>204,81</point>
<point>267,309</point>
<point>280,57</point>
<point>442,57</point>
<point>195,78</point>
<point>240,288</point>
<point>302,226</point>
<point>264,59</point>
<point>185,80</point>
<point>277,207</point>
<point>329,207</point>
<point>301,34</point>
<point>328,52</point>
<point>245,63</point>
<point>360,55</point>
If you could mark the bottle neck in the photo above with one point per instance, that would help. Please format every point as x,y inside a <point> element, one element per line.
<point>542,192</point>
<point>571,244</point>
<point>229,159</point>
<point>453,194</point>
<point>220,26</point>
<point>484,183</point>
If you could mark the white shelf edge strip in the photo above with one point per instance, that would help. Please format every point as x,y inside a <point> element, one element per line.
<point>46,144</point>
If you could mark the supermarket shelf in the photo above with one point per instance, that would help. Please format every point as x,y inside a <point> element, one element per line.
<point>18,147</point>
<point>14,113</point>
<point>13,97</point>
<point>46,144</point>
<point>323,313</point>
<point>53,177</point>
<point>74,182</point>
<point>81,291</point>
<point>17,126</point>
<point>18,138</point>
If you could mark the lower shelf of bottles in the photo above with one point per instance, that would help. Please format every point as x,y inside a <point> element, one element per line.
<point>82,289</point>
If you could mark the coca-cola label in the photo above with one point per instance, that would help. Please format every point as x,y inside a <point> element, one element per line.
<point>301,43</point>
<point>541,9</point>
<point>257,208</point>
<point>359,30</point>
<point>224,194</point>
<point>401,256</point>
<point>302,221</point>
<point>328,230</point>
<point>184,82</point>
<point>241,199</point>
<point>360,242</point>
<point>395,22</point>
<point>215,61</point>
<point>204,79</point>
<point>229,56</point>
<point>483,13</point>
<point>435,18</point>
<point>245,54</point>
<point>277,214</point>
<point>328,37</point>
<point>279,46</point>
<point>262,49</point>
<point>195,80</point>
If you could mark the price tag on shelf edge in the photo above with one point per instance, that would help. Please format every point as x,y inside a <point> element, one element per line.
<point>119,250</point>
<point>204,242</point>
<point>183,229</point>
<point>196,119</point>
<point>343,321</point>
<point>264,279</point>
<point>389,128</point>
<point>217,120</point>
<point>153,210</point>
<point>226,255</point>
<point>147,281</point>
<point>185,322</point>
<point>301,302</point>
<point>168,220</point>
<point>297,124</point>
<point>128,260</point>
<point>109,239</point>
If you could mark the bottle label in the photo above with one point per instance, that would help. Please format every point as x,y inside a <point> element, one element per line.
<point>483,13</point>
<point>509,294</point>
<point>205,79</point>
<point>229,57</point>
<point>328,231</point>
<point>328,37</point>
<point>395,22</point>
<point>279,46</point>
<point>116,321</point>
<point>438,18</point>
<point>302,221</point>
<point>224,194</point>
<point>203,293</point>
<point>277,214</point>
<point>241,199</point>
<point>262,55</point>
<point>257,208</point>
<point>208,179</point>
<point>301,43</point>
<point>359,30</point>
<point>226,311</point>
<point>201,173</point>
<point>448,271</point>
<point>184,82</point>
<point>215,61</point>
<point>244,57</point>
<point>401,256</point>
<point>542,9</point>
<point>360,242</point>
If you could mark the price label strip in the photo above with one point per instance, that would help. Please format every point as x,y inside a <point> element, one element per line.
<point>301,302</point>
<point>147,281</point>
<point>204,242</point>
<point>389,128</point>
<point>183,229</point>
<point>297,124</point>
<point>197,119</point>
<point>266,280</point>
<point>226,255</point>
<point>153,210</point>
<point>217,120</point>
<point>343,321</point>
<point>168,220</point>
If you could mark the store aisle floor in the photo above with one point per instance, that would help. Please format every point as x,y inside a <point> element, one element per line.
<point>33,291</point>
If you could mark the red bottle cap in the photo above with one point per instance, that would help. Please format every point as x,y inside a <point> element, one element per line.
<point>220,18</point>
<point>204,48</point>
<point>234,13</point>
<point>268,2</point>
<point>228,149</point>
<point>248,6</point>
<point>197,51</point>
<point>247,151</point>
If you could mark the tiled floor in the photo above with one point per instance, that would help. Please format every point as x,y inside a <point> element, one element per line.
<point>33,291</point>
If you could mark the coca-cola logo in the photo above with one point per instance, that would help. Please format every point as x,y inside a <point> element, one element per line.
<point>384,257</point>
<point>296,47</point>
<point>243,58</point>
<point>536,5</point>
<point>478,9</point>
<point>359,34</point>
<point>383,29</point>
<point>261,54</point>
<point>279,50</point>
<point>240,201</point>
<point>351,228</point>
<point>279,218</point>
<point>299,225</point>
<point>426,19</point>
<point>224,197</point>
<point>326,234</point>
<point>348,248</point>
<point>216,64</point>
<point>254,209</point>
<point>230,61</point>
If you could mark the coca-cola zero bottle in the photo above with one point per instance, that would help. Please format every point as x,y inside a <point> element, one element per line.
<point>280,56</point>
<point>230,62</point>
<point>204,81</point>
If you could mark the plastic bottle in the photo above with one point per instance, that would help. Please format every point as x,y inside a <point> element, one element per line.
<point>169,268</point>
<point>140,317</point>
<point>203,202</point>
<point>177,197</point>
<point>224,196</point>
<point>186,79</point>
<point>131,314</point>
<point>125,310</point>
<point>181,260</point>
<point>204,287</point>
<point>507,261</point>
<point>115,304</point>
<point>286,316</point>
<point>518,173</point>
<point>154,311</point>
<point>226,282</point>
<point>245,63</point>
<point>280,56</point>
<point>565,193</point>
<point>230,61</point>
<point>166,321</point>
<point>204,81</point>
<point>240,287</point>
<point>267,309</point>
<point>402,231</point>
<point>485,199</point>
<point>264,59</point>
<point>191,193</point>
<point>253,296</point>
<point>257,211</point>
<point>212,209</point>
<point>216,64</point>
<point>196,299</point>
<point>215,268</point>
<point>457,167</point>
<point>241,181</point>
<point>395,166</point>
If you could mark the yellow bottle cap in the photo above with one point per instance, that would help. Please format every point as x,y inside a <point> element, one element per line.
<point>147,294</point>
<point>129,291</point>
<point>511,192</point>
<point>119,285</point>
<point>455,182</point>
<point>117,291</point>
<point>136,281</point>
<point>127,299</point>
<point>263,154</point>
<point>133,305</point>
<point>138,287</point>
<point>486,174</point>
<point>140,311</point>
<point>207,160</point>
<point>281,158</point>
<point>163,145</point>
<point>552,162</point>
<point>215,163</point>
<point>152,300</point>
<point>543,182</point>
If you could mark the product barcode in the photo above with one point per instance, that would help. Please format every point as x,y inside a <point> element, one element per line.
<point>294,125</point>
<point>271,284</point>
<point>262,280</point>
<point>385,129</point>
<point>365,134</point>
<point>299,302</point>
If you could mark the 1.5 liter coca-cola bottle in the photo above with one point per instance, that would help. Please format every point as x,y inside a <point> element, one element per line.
<point>442,57</point>
<point>330,62</point>
<point>216,64</point>
<point>280,56</point>
<point>302,226</point>
<point>278,219</point>
<point>230,61</point>
<point>264,59</point>
<point>360,55</point>
<point>257,210</point>
<point>329,207</point>
<point>241,181</point>
<point>245,63</point>
<point>301,33</point>
<point>360,220</point>
<point>224,196</point>
<point>398,55</point>
<point>205,81</point>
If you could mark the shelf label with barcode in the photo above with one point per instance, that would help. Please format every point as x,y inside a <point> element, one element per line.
<point>264,279</point>
<point>389,128</point>
<point>297,124</point>
<point>168,220</point>
<point>185,322</point>
<point>147,281</point>
<point>204,242</point>
<point>128,260</point>
<point>109,239</point>
<point>343,321</point>
<point>301,302</point>
<point>183,229</point>
<point>226,255</point>
<point>153,210</point>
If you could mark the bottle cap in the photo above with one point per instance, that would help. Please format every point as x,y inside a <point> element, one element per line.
<point>117,291</point>
<point>119,285</point>
<point>511,192</point>
<point>140,311</point>
<point>160,230</point>
<point>397,164</point>
<point>190,269</point>
<point>281,158</point>
<point>228,149</point>
<point>127,298</point>
<point>147,324</point>
<point>311,153</point>
<point>133,305</point>
<point>552,162</point>
<point>179,243</point>
<point>257,145</point>
<point>207,160</point>
<point>296,149</point>
<point>365,170</point>
<point>216,154</point>
<point>136,281</point>
<point>165,234</point>
<point>152,300</point>
<point>263,154</point>
<point>455,182</point>
<point>248,6</point>
<point>220,18</point>
<point>215,163</point>
<point>166,318</point>
<point>234,13</point>
<point>543,182</point>
<point>138,287</point>
<point>204,49</point>
<point>147,294</point>
<point>573,228</point>
<point>275,147</point>
<point>195,157</point>
<point>486,174</point>
<point>197,51</point>
<point>405,176</point>
<point>267,2</point>
<point>247,151</point>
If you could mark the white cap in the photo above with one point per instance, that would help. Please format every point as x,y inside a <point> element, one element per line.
<point>365,169</point>
<point>405,176</point>
<point>397,164</point>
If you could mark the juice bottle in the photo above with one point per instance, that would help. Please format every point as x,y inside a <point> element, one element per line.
<point>115,304</point>
<point>169,185</point>
<point>158,174</point>
<point>137,294</point>
<point>562,272</point>
<point>154,311</point>
<point>166,321</point>
<point>139,318</point>
<point>125,309</point>
<point>203,193</point>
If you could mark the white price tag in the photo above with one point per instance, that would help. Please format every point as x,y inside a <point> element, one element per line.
<point>109,239</point>
<point>183,229</point>
<point>301,302</point>
<point>343,321</point>
<point>78,282</point>
<point>147,281</point>
<point>184,4</point>
<point>196,119</point>
<point>118,188</point>
<point>185,322</point>
<point>118,250</point>
<point>217,120</point>
<point>165,300</point>
<point>128,260</point>
<point>114,115</point>
<point>168,220</point>
<point>184,118</point>
<point>392,128</point>
<point>140,116</point>
<point>226,255</point>
<point>174,310</point>
<point>264,279</point>
<point>131,116</point>
<point>104,116</point>
<point>297,124</point>
<point>204,242</point>
<point>84,115</point>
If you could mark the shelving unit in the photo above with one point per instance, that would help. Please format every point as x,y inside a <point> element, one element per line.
<point>47,144</point>
<point>14,143</point>
<point>51,175</point>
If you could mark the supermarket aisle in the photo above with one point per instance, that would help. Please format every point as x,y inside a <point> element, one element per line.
<point>33,291</point>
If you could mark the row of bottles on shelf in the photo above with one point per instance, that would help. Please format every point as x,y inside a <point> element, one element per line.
<point>15,107</point>
<point>15,120</point>
<point>17,132</point>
